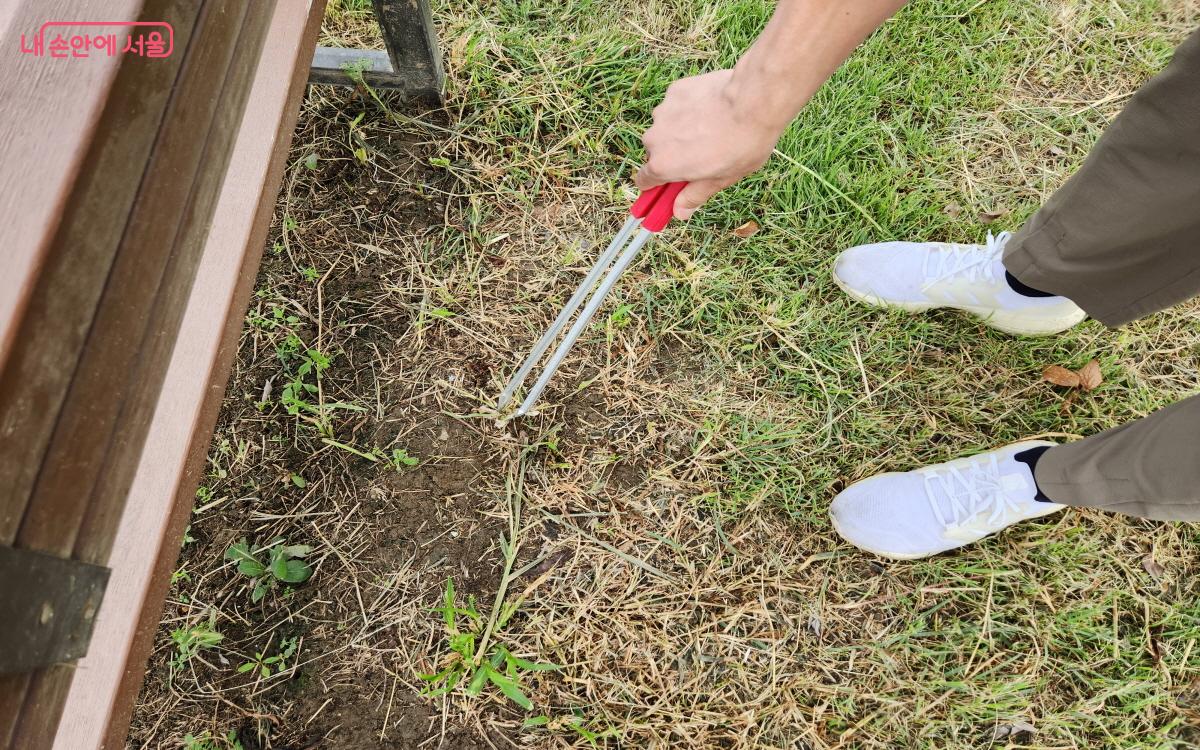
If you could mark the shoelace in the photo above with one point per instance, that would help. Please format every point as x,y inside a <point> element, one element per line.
<point>964,260</point>
<point>969,492</point>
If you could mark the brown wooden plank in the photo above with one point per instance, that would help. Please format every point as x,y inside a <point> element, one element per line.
<point>81,448</point>
<point>102,695</point>
<point>104,512</point>
<point>62,304</point>
<point>120,362</point>
<point>42,162</point>
<point>12,697</point>
<point>181,201</point>
<point>86,155</point>
<point>139,314</point>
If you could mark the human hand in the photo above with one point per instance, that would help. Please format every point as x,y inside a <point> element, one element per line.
<point>705,134</point>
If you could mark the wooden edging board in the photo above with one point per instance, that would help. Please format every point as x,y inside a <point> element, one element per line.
<point>40,166</point>
<point>150,533</point>
<point>116,196</point>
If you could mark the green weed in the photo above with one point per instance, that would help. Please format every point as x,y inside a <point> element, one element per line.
<point>473,662</point>
<point>267,665</point>
<point>401,460</point>
<point>191,640</point>
<point>208,741</point>
<point>271,564</point>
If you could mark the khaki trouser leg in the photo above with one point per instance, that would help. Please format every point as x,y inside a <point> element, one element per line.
<point>1148,468</point>
<point>1121,238</point>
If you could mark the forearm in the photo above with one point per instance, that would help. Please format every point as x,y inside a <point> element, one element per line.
<point>714,129</point>
<point>805,41</point>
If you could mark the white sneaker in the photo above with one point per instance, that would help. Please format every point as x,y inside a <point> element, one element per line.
<point>920,513</point>
<point>918,276</point>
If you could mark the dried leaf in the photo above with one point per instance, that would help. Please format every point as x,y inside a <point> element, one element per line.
<point>746,230</point>
<point>1152,567</point>
<point>458,50</point>
<point>952,210</point>
<point>1059,375</point>
<point>1003,731</point>
<point>1056,151</point>
<point>987,217</point>
<point>1089,375</point>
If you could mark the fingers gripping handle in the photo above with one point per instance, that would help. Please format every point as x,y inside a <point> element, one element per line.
<point>656,206</point>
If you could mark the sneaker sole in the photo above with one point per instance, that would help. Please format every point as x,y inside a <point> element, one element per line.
<point>1010,323</point>
<point>1054,508</point>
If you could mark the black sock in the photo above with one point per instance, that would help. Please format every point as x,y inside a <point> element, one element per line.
<point>1023,289</point>
<point>1031,457</point>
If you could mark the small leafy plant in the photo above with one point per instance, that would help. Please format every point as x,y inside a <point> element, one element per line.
<point>287,349</point>
<point>278,317</point>
<point>401,460</point>
<point>622,316</point>
<point>295,394</point>
<point>304,382</point>
<point>271,564</point>
<point>191,640</point>
<point>181,575</point>
<point>206,741</point>
<point>497,665</point>
<point>576,722</point>
<point>266,666</point>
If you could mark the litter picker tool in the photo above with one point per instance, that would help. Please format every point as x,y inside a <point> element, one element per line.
<point>648,216</point>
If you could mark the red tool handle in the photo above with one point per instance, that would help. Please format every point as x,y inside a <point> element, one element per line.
<point>656,206</point>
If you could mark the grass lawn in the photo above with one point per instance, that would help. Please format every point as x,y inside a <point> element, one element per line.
<point>648,562</point>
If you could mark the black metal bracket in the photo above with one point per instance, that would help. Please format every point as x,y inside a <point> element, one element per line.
<point>48,607</point>
<point>411,64</point>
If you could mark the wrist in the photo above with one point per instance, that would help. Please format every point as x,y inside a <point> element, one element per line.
<point>764,95</point>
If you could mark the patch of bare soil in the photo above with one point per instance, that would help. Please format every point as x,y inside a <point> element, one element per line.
<point>378,473</point>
